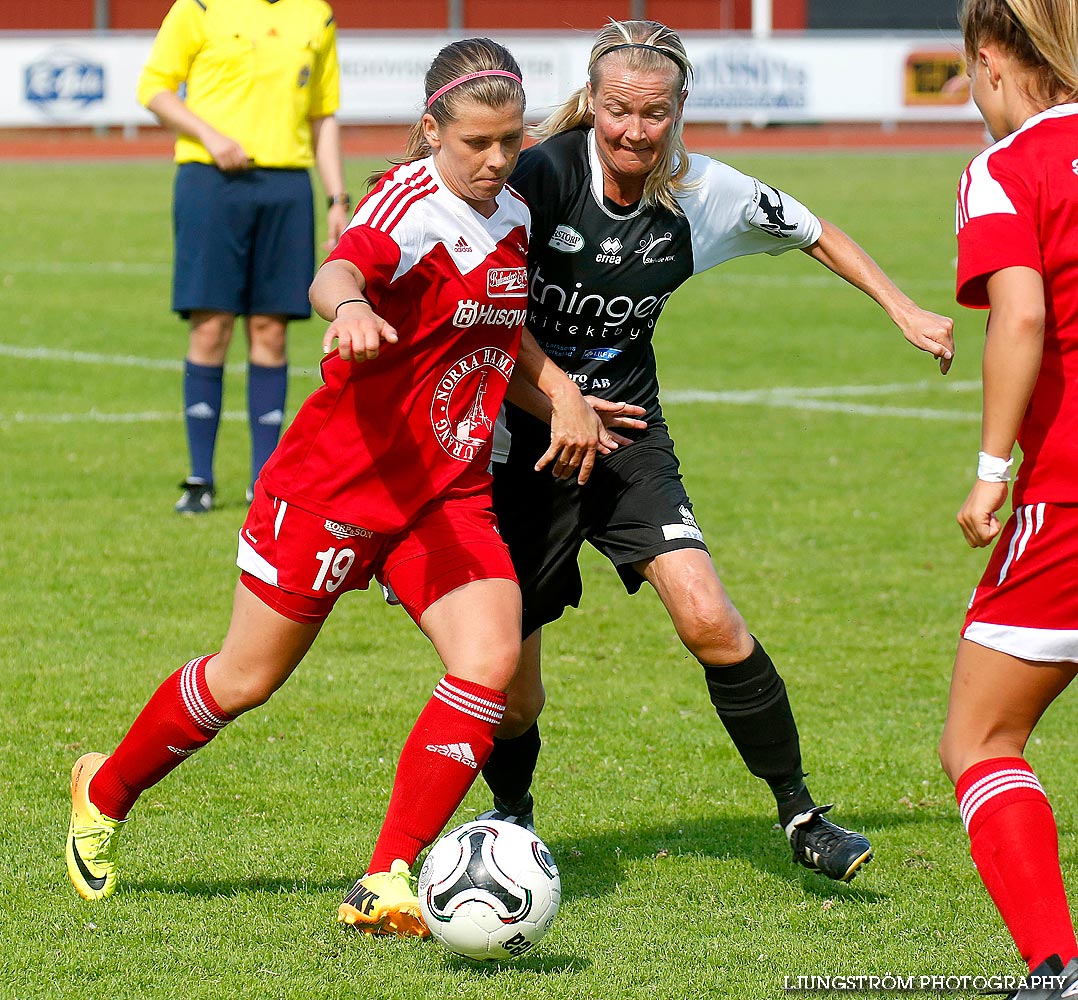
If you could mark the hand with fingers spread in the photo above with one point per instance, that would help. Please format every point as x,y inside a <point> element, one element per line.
<point>579,429</point>
<point>616,415</point>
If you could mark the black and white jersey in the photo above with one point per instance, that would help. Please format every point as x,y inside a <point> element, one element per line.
<point>599,275</point>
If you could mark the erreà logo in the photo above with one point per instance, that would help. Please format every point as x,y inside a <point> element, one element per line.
<point>567,240</point>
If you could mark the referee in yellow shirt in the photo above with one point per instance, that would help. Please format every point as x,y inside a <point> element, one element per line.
<point>251,87</point>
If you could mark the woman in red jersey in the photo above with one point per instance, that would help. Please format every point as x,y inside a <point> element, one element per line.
<point>1018,256</point>
<point>384,473</point>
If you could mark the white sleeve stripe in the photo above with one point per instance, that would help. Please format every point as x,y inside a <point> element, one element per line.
<point>378,211</point>
<point>402,210</point>
<point>392,188</point>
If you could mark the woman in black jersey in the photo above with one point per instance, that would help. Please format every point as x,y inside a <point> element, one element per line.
<point>622,215</point>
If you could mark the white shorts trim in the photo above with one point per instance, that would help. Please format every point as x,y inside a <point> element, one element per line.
<point>251,562</point>
<point>671,531</point>
<point>1045,645</point>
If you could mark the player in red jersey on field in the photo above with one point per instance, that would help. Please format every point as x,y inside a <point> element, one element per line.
<point>384,473</point>
<point>1017,226</point>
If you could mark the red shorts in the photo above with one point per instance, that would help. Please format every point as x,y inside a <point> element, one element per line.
<point>299,563</point>
<point>1027,601</point>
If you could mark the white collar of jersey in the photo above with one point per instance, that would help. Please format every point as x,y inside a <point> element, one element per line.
<point>596,166</point>
<point>1055,111</point>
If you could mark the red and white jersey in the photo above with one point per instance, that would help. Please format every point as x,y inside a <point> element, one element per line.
<point>1018,206</point>
<point>380,439</point>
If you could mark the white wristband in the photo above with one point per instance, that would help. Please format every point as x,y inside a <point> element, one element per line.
<point>991,469</point>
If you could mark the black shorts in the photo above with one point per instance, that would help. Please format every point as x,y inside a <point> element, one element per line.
<point>633,507</point>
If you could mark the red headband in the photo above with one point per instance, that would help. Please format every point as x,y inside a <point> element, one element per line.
<point>471,76</point>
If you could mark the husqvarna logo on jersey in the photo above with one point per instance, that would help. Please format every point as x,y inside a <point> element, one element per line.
<point>567,239</point>
<point>470,313</point>
<point>503,282</point>
<point>460,413</point>
<point>62,83</point>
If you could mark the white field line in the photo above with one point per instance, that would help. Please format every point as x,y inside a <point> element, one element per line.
<point>97,417</point>
<point>827,399</point>
<point>126,268</point>
<point>119,360</point>
<point>817,398</point>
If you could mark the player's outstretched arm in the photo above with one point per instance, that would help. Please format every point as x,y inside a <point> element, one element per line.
<point>338,293</point>
<point>927,331</point>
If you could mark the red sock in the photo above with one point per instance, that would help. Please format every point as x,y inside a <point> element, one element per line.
<point>179,719</point>
<point>448,745</point>
<point>1015,846</point>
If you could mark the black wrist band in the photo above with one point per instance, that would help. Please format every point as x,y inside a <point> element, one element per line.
<point>339,199</point>
<point>346,301</point>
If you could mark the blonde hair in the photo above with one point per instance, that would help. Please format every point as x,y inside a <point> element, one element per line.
<point>652,47</point>
<point>1041,34</point>
<point>456,60</point>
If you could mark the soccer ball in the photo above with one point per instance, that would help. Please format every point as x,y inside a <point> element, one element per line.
<point>489,890</point>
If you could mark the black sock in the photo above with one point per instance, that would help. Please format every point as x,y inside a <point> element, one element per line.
<point>510,768</point>
<point>792,797</point>
<point>750,699</point>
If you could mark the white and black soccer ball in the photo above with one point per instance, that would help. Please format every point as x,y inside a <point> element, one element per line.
<point>489,890</point>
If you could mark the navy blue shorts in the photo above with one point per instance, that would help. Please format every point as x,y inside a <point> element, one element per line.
<point>244,241</point>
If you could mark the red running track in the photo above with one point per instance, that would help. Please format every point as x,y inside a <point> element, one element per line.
<point>389,140</point>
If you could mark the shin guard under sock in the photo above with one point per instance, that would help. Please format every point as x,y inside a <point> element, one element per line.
<point>750,699</point>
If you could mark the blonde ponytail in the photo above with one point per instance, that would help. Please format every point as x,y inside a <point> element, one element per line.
<point>1041,34</point>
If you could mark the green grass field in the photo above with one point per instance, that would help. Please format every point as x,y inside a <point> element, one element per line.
<point>826,459</point>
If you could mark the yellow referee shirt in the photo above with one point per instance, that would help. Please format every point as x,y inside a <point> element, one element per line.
<point>256,70</point>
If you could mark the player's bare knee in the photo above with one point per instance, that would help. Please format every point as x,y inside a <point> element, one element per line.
<point>210,335</point>
<point>268,340</point>
<point>946,752</point>
<point>497,666</point>
<point>243,693</point>
<point>716,637</point>
<point>521,711</point>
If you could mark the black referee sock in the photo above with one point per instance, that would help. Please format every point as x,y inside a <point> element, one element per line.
<point>510,768</point>
<point>750,699</point>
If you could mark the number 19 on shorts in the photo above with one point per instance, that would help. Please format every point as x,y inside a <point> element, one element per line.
<point>335,566</point>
